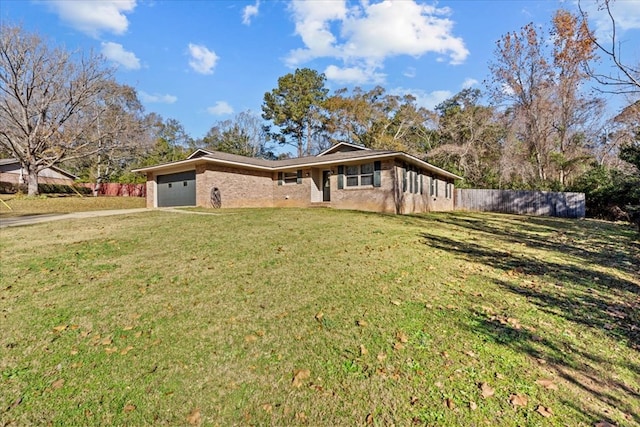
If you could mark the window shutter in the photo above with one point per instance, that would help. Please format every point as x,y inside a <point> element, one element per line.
<point>299,180</point>
<point>340,177</point>
<point>404,180</point>
<point>280,178</point>
<point>420,181</point>
<point>435,185</point>
<point>415,182</point>
<point>377,179</point>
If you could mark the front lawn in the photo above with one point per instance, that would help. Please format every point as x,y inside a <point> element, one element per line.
<point>320,317</point>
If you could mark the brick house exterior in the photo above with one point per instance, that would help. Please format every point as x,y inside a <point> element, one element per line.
<point>343,177</point>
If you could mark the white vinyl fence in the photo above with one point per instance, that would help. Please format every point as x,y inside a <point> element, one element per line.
<point>549,203</point>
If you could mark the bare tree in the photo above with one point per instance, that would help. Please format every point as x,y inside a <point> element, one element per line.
<point>627,80</point>
<point>51,102</point>
<point>542,88</point>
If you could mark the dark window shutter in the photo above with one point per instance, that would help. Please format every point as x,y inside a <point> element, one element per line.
<point>340,177</point>
<point>404,180</point>
<point>435,185</point>
<point>415,182</point>
<point>280,178</point>
<point>377,179</point>
<point>420,179</point>
<point>299,180</point>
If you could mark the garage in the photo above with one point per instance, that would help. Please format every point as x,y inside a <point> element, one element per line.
<point>177,189</point>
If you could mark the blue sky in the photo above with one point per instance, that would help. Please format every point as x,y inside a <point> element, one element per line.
<point>203,61</point>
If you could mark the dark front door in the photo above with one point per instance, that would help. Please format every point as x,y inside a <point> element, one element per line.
<point>326,186</point>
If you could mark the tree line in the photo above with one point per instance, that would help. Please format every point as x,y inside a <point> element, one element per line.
<point>537,124</point>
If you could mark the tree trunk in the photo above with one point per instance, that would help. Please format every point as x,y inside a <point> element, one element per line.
<point>32,180</point>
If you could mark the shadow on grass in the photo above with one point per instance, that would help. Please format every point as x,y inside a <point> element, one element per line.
<point>570,363</point>
<point>564,277</point>
<point>579,292</point>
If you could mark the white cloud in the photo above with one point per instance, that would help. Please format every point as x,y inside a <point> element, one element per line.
<point>625,13</point>
<point>410,72</point>
<point>94,17</point>
<point>469,82</point>
<point>249,12</point>
<point>156,98</point>
<point>116,53</point>
<point>367,34</point>
<point>353,75</point>
<point>220,109</point>
<point>202,60</point>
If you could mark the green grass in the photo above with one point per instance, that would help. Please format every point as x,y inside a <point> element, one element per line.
<point>18,205</point>
<point>319,317</point>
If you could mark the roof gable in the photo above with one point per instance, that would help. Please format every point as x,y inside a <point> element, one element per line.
<point>342,147</point>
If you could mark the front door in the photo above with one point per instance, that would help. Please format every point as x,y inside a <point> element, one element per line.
<point>326,186</point>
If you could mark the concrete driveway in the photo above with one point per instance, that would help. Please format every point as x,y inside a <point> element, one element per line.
<point>36,219</point>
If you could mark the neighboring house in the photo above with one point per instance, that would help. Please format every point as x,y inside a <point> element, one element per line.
<point>11,172</point>
<point>345,176</point>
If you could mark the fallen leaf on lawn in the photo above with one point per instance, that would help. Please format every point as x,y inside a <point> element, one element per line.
<point>135,316</point>
<point>363,350</point>
<point>369,419</point>
<point>260,333</point>
<point>396,302</point>
<point>547,383</point>
<point>402,337</point>
<point>398,346</point>
<point>129,407</point>
<point>514,322</point>
<point>382,357</point>
<point>301,416</point>
<point>57,384</point>
<point>361,323</point>
<point>545,412</point>
<point>299,375</point>
<point>282,315</point>
<point>473,405</point>
<point>450,403</point>
<point>319,315</point>
<point>106,341</point>
<point>60,328</point>
<point>518,400</point>
<point>74,327</point>
<point>73,351</point>
<point>499,376</point>
<point>470,353</point>
<point>250,338</point>
<point>127,328</point>
<point>194,417</point>
<point>110,350</point>
<point>486,390</point>
<point>438,384</point>
<point>414,400</point>
<point>138,334</point>
<point>126,350</point>
<point>267,407</point>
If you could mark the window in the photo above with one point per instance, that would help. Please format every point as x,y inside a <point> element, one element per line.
<point>412,180</point>
<point>433,186</point>
<point>290,177</point>
<point>359,175</point>
<point>448,190</point>
<point>364,175</point>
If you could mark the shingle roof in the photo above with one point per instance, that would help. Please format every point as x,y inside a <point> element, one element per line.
<point>309,161</point>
